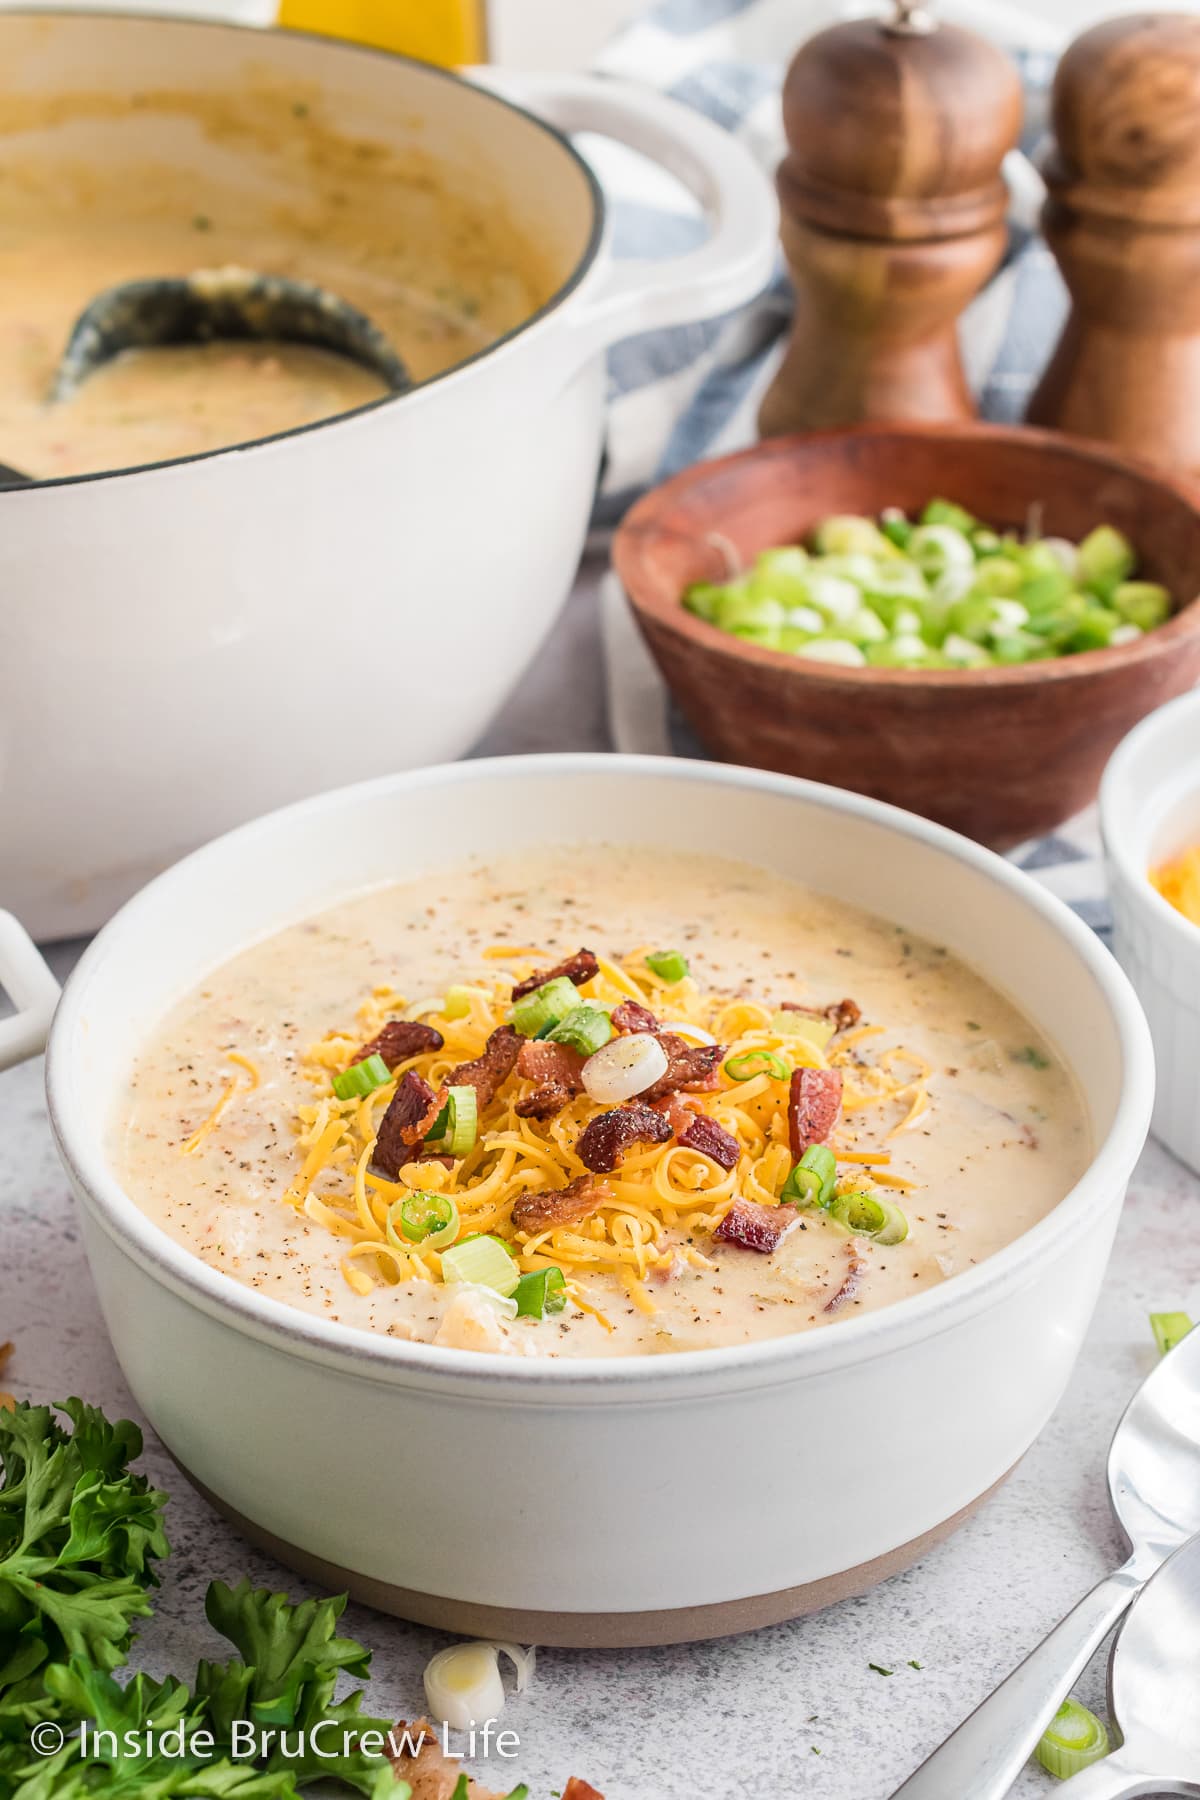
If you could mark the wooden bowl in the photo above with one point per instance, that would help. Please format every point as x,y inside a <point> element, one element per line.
<point>1002,754</point>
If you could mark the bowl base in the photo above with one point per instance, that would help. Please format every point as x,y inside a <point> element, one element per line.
<point>592,1631</point>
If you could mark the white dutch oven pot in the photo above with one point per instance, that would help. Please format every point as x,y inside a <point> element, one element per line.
<point>184,646</point>
<point>640,1500</point>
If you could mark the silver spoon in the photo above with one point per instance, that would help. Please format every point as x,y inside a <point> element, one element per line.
<point>1154,1691</point>
<point>222,303</point>
<point>1154,1487</point>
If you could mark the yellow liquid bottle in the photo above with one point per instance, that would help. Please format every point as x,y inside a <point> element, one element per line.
<point>437,31</point>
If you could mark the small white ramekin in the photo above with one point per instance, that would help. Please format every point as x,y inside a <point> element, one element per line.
<point>1150,810</point>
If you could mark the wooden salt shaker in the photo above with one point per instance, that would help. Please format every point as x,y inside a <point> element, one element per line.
<point>1123,219</point>
<point>893,216</point>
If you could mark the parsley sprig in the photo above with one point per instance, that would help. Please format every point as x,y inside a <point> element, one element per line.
<point>81,1533</point>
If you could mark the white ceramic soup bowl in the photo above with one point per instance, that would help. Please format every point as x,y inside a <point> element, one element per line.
<point>1150,811</point>
<point>599,1501</point>
<point>193,643</point>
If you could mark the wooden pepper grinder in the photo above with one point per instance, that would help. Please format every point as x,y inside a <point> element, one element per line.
<point>1123,218</point>
<point>893,216</point>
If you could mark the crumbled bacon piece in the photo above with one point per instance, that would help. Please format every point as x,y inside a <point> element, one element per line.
<point>632,1016</point>
<point>559,1206</point>
<point>711,1139</point>
<point>695,1067</point>
<point>400,1039</point>
<point>494,1066</point>
<point>410,1113</point>
<point>545,1102</point>
<point>853,1281</point>
<point>607,1137</point>
<point>814,1103</point>
<point>842,1014</point>
<point>756,1227</point>
<point>558,1071</point>
<point>418,1758</point>
<point>578,968</point>
<point>678,1112</point>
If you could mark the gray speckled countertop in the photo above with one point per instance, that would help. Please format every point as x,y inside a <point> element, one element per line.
<point>744,1717</point>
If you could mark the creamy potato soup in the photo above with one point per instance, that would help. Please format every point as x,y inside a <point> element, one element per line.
<point>595,1101</point>
<point>91,195</point>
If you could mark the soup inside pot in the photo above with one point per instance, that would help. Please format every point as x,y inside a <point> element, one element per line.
<point>830,1114</point>
<point>97,189</point>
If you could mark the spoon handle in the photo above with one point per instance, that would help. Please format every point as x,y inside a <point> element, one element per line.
<point>986,1754</point>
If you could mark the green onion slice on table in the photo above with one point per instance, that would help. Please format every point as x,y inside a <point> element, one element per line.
<point>1169,1328</point>
<point>361,1078</point>
<point>1075,1740</point>
<point>749,1063</point>
<point>424,1218</point>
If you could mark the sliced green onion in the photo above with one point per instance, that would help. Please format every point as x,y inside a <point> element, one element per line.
<point>848,534</point>
<point>1142,603</point>
<point>749,1063</point>
<point>945,592</point>
<point>945,512</point>
<point>545,1006</point>
<point>866,1215</point>
<point>809,1026</point>
<point>541,1291</point>
<point>895,527</point>
<point>361,1078</point>
<point>424,1218</point>
<point>669,965</point>
<point>802,1188</point>
<point>585,1028</point>
<point>1105,559</point>
<point>458,1003</point>
<point>486,1261</point>
<point>1075,1740</point>
<point>1169,1328</point>
<point>811,1182</point>
<point>461,1116</point>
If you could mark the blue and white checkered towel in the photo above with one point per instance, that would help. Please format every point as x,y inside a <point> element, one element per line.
<point>678,396</point>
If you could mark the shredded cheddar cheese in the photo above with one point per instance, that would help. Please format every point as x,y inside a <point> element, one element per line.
<point>655,1186</point>
<point>193,1143</point>
<point>1178,881</point>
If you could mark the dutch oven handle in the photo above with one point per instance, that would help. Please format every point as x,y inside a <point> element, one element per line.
<point>735,262</point>
<point>31,987</point>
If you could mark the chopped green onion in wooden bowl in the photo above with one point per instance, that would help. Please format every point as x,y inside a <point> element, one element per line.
<point>940,592</point>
